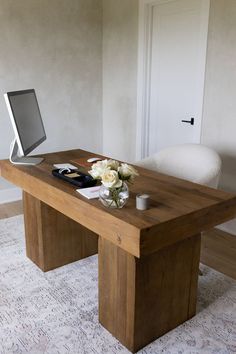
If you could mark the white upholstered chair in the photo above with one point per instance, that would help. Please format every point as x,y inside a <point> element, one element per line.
<point>193,162</point>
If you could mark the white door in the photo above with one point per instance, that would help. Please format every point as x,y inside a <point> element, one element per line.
<point>177,54</point>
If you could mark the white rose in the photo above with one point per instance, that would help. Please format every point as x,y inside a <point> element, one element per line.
<point>113,164</point>
<point>98,169</point>
<point>127,172</point>
<point>110,179</point>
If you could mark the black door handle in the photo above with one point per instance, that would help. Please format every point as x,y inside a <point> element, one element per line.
<point>189,121</point>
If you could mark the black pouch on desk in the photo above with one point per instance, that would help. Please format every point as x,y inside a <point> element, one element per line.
<point>75,177</point>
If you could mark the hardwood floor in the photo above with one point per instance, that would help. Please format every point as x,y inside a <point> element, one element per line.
<point>218,251</point>
<point>218,248</point>
<point>11,209</point>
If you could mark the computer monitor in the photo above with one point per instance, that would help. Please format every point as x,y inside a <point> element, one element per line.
<point>27,124</point>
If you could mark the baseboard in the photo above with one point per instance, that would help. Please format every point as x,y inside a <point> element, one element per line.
<point>10,195</point>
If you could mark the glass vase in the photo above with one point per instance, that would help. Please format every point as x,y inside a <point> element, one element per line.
<point>114,197</point>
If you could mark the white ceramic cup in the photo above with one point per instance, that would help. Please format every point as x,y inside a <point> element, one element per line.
<point>142,201</point>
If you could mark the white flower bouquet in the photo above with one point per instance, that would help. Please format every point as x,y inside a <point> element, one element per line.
<point>113,175</point>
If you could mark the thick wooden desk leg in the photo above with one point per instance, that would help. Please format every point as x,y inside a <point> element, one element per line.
<point>53,239</point>
<point>141,299</point>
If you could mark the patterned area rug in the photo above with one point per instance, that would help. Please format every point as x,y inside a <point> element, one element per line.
<point>57,312</point>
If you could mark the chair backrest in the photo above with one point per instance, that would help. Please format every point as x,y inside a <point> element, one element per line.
<point>193,162</point>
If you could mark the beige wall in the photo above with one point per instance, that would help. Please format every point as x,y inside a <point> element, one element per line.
<point>219,115</point>
<point>120,35</point>
<point>55,47</point>
<point>120,74</point>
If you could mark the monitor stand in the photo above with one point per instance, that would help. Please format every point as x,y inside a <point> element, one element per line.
<point>21,160</point>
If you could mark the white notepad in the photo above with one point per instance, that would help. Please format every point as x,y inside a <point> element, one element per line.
<point>65,165</point>
<point>89,193</point>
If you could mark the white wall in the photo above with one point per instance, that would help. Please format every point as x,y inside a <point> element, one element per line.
<point>219,115</point>
<point>119,84</point>
<point>55,47</point>
<point>120,25</point>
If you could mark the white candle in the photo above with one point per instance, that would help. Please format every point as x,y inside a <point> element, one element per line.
<point>142,201</point>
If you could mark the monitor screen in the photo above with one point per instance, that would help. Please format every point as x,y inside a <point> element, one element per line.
<point>26,117</point>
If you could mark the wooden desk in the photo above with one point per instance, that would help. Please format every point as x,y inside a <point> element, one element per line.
<point>148,260</point>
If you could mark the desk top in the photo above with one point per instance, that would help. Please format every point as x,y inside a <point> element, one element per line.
<point>178,208</point>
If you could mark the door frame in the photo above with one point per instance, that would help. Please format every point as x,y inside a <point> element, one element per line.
<point>144,69</point>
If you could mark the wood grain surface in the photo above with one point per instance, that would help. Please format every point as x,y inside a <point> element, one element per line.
<point>141,299</point>
<point>178,208</point>
<point>218,248</point>
<point>53,239</point>
<point>148,260</point>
